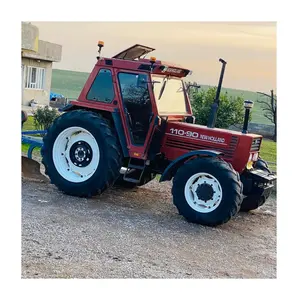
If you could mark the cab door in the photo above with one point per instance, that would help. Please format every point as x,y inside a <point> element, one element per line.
<point>138,110</point>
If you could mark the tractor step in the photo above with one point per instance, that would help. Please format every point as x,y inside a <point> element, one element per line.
<point>135,170</point>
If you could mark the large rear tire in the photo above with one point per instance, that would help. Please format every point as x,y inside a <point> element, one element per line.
<point>81,154</point>
<point>207,191</point>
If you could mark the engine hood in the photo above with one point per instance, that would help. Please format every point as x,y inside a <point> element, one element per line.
<point>203,133</point>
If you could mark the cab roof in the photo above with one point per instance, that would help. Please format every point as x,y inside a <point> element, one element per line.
<point>134,54</point>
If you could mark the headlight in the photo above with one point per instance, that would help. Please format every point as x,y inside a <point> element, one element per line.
<point>249,164</point>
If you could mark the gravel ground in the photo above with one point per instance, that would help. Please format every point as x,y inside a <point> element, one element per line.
<point>138,234</point>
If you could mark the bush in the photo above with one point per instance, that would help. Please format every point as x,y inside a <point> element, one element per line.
<point>44,117</point>
<point>230,111</point>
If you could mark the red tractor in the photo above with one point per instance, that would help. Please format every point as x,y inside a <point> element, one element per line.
<point>133,120</point>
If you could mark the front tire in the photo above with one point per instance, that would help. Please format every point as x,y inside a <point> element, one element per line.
<point>207,191</point>
<point>81,154</point>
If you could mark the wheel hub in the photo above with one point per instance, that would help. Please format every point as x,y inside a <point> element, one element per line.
<point>76,154</point>
<point>80,154</point>
<point>205,192</point>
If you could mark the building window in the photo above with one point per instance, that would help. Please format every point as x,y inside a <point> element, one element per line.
<point>35,78</point>
<point>102,88</point>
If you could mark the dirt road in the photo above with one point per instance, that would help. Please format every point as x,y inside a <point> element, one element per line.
<point>138,234</point>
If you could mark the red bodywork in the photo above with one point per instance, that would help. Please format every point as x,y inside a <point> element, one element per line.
<point>236,147</point>
<point>180,137</point>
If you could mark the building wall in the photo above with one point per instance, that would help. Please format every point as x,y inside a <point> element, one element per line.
<point>37,53</point>
<point>45,51</point>
<point>41,96</point>
<point>30,36</point>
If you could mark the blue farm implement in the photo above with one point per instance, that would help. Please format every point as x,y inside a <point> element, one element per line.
<point>30,167</point>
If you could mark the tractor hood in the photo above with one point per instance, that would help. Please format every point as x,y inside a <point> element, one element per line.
<point>181,138</point>
<point>205,134</point>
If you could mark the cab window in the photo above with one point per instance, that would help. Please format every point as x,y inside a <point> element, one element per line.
<point>102,88</point>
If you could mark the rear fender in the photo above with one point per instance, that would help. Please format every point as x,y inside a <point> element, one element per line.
<point>172,168</point>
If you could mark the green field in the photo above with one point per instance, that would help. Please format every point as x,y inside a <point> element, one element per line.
<point>70,84</point>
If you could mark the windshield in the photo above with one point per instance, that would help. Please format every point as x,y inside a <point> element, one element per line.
<point>169,95</point>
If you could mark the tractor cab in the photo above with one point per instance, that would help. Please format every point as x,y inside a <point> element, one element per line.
<point>153,95</point>
<point>164,78</point>
<point>139,91</point>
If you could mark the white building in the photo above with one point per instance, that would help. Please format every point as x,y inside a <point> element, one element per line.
<point>37,59</point>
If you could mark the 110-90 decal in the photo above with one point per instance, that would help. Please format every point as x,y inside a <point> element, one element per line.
<point>196,135</point>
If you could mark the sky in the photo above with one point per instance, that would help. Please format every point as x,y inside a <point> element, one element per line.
<point>248,47</point>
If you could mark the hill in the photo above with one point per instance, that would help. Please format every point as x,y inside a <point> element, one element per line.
<point>70,84</point>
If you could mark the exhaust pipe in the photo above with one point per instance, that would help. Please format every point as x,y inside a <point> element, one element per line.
<point>214,106</point>
<point>248,105</point>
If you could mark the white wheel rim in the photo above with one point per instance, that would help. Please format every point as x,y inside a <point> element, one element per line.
<point>72,156</point>
<point>194,186</point>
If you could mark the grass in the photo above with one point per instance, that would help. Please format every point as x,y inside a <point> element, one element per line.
<point>29,125</point>
<point>70,84</point>
<point>268,152</point>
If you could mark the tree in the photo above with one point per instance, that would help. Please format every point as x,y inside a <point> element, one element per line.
<point>230,111</point>
<point>270,110</point>
<point>44,117</point>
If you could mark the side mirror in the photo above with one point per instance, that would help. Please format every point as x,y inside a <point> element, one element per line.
<point>142,81</point>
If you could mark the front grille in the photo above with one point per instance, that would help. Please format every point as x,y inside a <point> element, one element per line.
<point>256,144</point>
<point>234,142</point>
<point>191,146</point>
